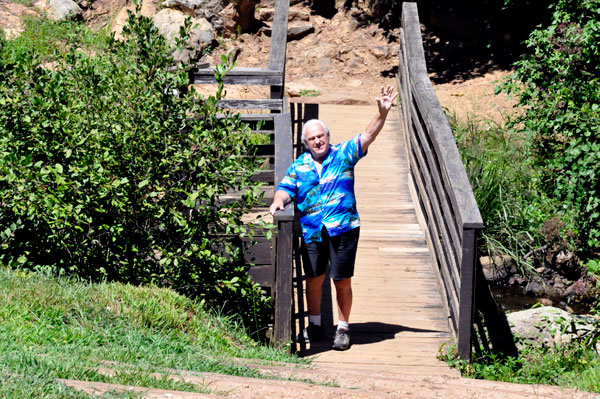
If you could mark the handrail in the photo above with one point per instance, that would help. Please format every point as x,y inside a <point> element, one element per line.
<point>283,244</point>
<point>445,199</point>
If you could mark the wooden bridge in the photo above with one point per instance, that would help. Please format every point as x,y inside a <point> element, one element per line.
<point>415,281</point>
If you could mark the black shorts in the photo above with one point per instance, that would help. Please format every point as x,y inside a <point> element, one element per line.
<point>338,251</point>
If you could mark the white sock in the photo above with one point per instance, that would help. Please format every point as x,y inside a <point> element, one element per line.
<point>316,320</point>
<point>343,325</point>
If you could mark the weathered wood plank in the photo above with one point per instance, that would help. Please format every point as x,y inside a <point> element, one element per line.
<point>434,217</point>
<point>240,76</point>
<point>263,275</point>
<point>283,283</point>
<point>252,104</point>
<point>279,36</point>
<point>445,214</point>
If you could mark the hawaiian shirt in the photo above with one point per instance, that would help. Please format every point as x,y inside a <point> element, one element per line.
<point>327,200</point>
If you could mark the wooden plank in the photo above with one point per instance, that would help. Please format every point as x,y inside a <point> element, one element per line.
<point>263,275</point>
<point>252,104</point>
<point>267,176</point>
<point>277,50</point>
<point>467,289</point>
<point>283,283</point>
<point>452,290</point>
<point>434,217</point>
<point>240,76</point>
<point>283,145</point>
<point>260,253</point>
<point>445,214</point>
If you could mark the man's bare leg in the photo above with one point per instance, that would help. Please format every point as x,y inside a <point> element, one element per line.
<point>343,290</point>
<point>313,294</point>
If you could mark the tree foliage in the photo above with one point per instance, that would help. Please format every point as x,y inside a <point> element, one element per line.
<point>558,85</point>
<point>110,168</point>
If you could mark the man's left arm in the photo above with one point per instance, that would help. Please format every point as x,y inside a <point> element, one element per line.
<point>384,103</point>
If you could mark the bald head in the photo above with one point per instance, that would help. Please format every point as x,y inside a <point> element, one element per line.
<point>311,123</point>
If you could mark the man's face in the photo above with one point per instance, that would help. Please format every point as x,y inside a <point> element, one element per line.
<point>317,141</point>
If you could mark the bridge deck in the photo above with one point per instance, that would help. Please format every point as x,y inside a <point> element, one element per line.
<point>397,320</point>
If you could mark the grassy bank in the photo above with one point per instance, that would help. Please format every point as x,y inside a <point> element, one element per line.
<point>575,365</point>
<point>514,209</point>
<point>59,328</point>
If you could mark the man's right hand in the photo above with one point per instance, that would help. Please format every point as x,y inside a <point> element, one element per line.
<point>279,201</point>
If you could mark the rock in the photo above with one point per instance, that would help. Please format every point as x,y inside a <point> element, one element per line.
<point>578,288</point>
<point>535,289</point>
<point>59,10</point>
<point>168,21</point>
<point>266,14</point>
<point>191,6</point>
<point>497,268</point>
<point>297,89</point>
<point>11,22</point>
<point>148,10</point>
<point>549,326</point>
<point>545,301</point>
<point>298,32</point>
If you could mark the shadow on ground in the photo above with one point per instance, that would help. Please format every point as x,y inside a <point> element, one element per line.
<point>365,333</point>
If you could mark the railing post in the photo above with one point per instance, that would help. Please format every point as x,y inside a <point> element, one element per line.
<point>467,289</point>
<point>283,283</point>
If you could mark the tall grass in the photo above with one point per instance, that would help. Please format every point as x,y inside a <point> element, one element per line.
<point>62,328</point>
<point>505,186</point>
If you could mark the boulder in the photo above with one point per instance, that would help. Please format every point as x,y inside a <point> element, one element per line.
<point>168,21</point>
<point>549,327</point>
<point>59,10</point>
<point>148,10</point>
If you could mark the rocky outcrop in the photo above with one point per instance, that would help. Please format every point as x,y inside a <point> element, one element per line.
<point>59,10</point>
<point>168,21</point>
<point>548,327</point>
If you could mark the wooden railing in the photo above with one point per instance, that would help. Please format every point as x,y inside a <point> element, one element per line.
<point>443,193</point>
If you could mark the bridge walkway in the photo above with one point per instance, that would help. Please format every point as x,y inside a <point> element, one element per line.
<point>397,320</point>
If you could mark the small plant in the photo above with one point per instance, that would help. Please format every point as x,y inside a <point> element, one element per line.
<point>309,93</point>
<point>593,266</point>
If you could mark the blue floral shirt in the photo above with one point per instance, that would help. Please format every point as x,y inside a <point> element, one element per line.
<point>328,200</point>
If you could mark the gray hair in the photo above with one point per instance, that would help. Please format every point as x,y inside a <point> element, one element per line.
<point>312,122</point>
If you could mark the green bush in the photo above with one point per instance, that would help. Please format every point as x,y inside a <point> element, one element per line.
<point>110,168</point>
<point>514,210</point>
<point>558,86</point>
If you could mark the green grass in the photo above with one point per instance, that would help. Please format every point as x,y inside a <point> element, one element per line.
<point>47,39</point>
<point>309,93</point>
<point>574,365</point>
<point>505,186</point>
<point>60,328</point>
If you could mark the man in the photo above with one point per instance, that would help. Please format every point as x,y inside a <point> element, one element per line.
<point>322,182</point>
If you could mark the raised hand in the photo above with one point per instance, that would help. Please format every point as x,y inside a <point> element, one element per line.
<point>384,102</point>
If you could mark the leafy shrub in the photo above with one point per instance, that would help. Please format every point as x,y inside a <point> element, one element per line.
<point>558,85</point>
<point>110,168</point>
<point>514,210</point>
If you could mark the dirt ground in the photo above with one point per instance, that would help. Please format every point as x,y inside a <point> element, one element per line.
<point>345,61</point>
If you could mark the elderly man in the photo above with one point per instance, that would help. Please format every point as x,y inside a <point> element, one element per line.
<point>322,182</point>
